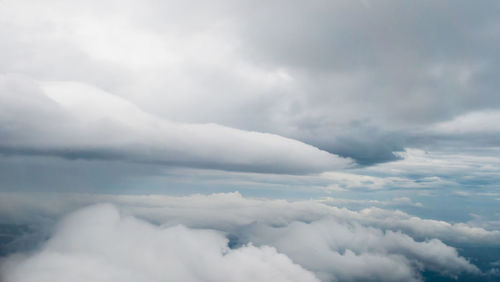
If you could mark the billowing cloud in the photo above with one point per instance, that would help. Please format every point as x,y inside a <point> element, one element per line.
<point>100,245</point>
<point>353,252</point>
<point>333,243</point>
<point>226,210</point>
<point>351,103</point>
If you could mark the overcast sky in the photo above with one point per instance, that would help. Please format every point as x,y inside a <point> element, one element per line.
<point>249,86</point>
<point>358,104</point>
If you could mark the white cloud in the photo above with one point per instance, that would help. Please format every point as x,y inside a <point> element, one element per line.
<point>225,211</point>
<point>403,201</point>
<point>98,244</point>
<point>225,61</point>
<point>349,251</point>
<point>438,170</point>
<point>88,119</point>
<point>334,243</point>
<point>473,122</point>
<point>195,83</point>
<point>342,181</point>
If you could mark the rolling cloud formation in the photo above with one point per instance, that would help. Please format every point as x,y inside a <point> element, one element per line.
<point>199,238</point>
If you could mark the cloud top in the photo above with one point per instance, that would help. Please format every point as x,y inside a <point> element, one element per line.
<point>281,239</point>
<point>98,244</point>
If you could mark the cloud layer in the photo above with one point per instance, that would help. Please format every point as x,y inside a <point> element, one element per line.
<point>357,79</point>
<point>77,121</point>
<point>98,244</point>
<point>289,237</point>
<point>382,103</point>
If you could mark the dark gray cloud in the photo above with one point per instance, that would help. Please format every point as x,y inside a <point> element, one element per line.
<point>391,68</point>
<point>394,66</point>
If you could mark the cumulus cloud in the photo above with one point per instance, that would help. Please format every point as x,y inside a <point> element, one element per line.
<point>99,244</point>
<point>333,243</point>
<point>353,252</point>
<point>227,210</point>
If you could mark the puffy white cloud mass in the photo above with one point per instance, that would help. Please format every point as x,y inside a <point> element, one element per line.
<point>97,244</point>
<point>164,237</point>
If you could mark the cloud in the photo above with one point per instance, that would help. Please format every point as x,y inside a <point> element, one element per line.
<point>343,181</point>
<point>476,170</point>
<point>99,244</point>
<point>471,123</point>
<point>354,252</point>
<point>356,80</point>
<point>78,121</point>
<point>162,96</point>
<point>401,201</point>
<point>223,211</point>
<point>333,243</point>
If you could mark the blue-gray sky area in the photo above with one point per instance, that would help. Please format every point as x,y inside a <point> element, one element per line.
<point>305,140</point>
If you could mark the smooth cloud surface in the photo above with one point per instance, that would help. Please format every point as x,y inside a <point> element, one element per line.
<point>74,120</point>
<point>356,78</point>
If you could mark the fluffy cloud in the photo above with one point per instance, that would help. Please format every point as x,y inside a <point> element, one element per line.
<point>226,211</point>
<point>354,252</point>
<point>333,243</point>
<point>154,96</point>
<point>100,245</point>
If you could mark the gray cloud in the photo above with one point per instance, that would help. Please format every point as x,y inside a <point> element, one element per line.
<point>358,79</point>
<point>268,96</point>
<point>89,123</point>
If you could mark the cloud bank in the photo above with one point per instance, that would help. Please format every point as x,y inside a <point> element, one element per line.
<point>388,104</point>
<point>77,121</point>
<point>97,244</point>
<point>357,79</point>
<point>275,238</point>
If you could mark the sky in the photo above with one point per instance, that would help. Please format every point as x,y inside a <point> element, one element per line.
<point>249,140</point>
